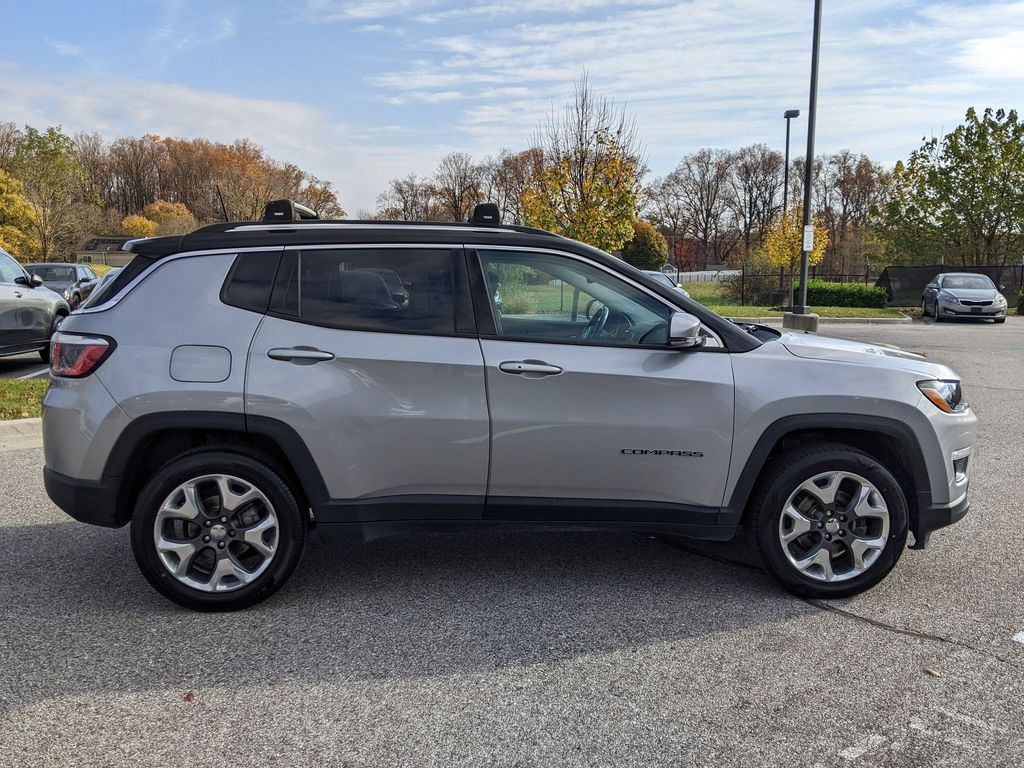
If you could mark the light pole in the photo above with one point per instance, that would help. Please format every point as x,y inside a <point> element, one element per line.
<point>808,233</point>
<point>789,114</point>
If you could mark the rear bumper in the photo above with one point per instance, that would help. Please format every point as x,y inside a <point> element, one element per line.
<point>88,501</point>
<point>933,518</point>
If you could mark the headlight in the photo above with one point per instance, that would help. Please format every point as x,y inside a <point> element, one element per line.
<point>1000,299</point>
<point>943,296</point>
<point>66,293</point>
<point>945,395</point>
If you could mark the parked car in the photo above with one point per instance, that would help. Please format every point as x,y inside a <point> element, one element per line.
<point>109,276</point>
<point>236,386</point>
<point>72,281</point>
<point>664,279</point>
<point>29,312</point>
<point>963,294</point>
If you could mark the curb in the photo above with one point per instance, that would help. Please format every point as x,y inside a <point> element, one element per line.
<point>831,320</point>
<point>19,434</point>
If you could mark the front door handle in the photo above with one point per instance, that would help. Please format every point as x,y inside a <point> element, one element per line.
<point>529,368</point>
<point>299,355</point>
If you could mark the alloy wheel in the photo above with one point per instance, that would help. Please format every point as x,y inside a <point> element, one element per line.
<point>216,533</point>
<point>834,526</point>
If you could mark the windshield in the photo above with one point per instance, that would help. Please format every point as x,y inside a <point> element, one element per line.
<point>968,282</point>
<point>54,274</point>
<point>661,277</point>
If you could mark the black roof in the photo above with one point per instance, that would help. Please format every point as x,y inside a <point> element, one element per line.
<point>250,234</point>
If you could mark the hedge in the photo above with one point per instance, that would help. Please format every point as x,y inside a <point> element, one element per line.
<point>824,294</point>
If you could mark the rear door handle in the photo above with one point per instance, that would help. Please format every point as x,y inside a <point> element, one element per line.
<point>530,368</point>
<point>299,355</point>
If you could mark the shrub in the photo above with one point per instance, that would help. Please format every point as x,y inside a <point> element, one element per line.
<point>648,248</point>
<point>824,294</point>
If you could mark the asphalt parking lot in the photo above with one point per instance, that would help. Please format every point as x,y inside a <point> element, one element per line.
<point>22,367</point>
<point>526,650</point>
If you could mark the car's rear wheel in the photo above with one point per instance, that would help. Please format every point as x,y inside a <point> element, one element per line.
<point>217,531</point>
<point>830,520</point>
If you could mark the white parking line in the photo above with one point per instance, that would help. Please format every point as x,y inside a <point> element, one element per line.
<point>1019,638</point>
<point>33,375</point>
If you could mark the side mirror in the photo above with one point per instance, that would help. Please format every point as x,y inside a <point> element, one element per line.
<point>1002,287</point>
<point>684,331</point>
<point>36,281</point>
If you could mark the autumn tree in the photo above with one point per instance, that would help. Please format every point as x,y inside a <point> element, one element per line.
<point>504,180</point>
<point>45,163</point>
<point>783,243</point>
<point>960,199</point>
<point>17,219</point>
<point>647,249</point>
<point>138,226</point>
<point>589,186</point>
<point>9,138</point>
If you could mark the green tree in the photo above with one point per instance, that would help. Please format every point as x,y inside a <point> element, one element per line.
<point>17,219</point>
<point>960,199</point>
<point>588,187</point>
<point>648,249</point>
<point>45,162</point>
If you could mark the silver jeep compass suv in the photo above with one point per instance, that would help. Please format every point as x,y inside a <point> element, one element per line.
<point>232,388</point>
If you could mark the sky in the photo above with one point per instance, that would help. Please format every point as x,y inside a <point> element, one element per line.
<point>359,92</point>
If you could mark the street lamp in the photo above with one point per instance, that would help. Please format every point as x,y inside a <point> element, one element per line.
<point>808,233</point>
<point>789,114</point>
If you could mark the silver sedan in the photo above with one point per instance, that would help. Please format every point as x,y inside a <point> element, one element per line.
<point>963,294</point>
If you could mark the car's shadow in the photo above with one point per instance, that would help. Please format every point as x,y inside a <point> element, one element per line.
<point>79,618</point>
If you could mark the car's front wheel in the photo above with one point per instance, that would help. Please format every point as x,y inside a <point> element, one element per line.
<point>830,520</point>
<point>924,308</point>
<point>217,531</point>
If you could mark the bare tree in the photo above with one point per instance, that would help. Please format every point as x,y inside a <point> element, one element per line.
<point>664,205</point>
<point>504,179</point>
<point>457,182</point>
<point>9,137</point>
<point>408,199</point>
<point>756,189</point>
<point>703,181</point>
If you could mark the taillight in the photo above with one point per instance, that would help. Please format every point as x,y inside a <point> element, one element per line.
<point>73,356</point>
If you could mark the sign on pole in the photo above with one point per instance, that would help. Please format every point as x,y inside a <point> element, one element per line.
<point>809,238</point>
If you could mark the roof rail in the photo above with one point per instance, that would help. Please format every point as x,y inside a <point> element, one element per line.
<point>287,211</point>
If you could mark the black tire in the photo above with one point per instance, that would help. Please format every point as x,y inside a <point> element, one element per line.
<point>44,354</point>
<point>784,475</point>
<point>291,524</point>
<point>924,309</point>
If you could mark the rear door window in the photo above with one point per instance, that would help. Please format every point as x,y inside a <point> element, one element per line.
<point>401,290</point>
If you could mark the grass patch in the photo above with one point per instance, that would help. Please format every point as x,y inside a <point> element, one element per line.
<point>21,399</point>
<point>739,311</point>
<point>99,269</point>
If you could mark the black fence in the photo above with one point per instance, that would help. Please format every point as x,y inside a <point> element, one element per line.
<point>905,285</point>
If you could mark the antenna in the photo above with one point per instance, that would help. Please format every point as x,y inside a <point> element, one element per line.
<point>223,208</point>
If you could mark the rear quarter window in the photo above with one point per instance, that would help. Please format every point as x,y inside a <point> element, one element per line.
<point>250,282</point>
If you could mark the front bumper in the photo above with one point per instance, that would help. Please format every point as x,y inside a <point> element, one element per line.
<point>88,501</point>
<point>959,310</point>
<point>933,518</point>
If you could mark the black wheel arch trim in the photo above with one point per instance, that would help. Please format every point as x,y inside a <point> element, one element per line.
<point>893,428</point>
<point>143,427</point>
